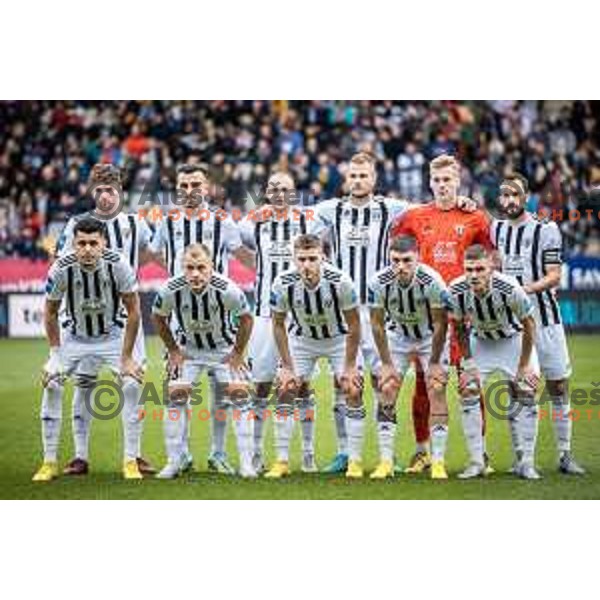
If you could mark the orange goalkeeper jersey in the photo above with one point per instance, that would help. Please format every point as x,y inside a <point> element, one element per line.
<point>443,235</point>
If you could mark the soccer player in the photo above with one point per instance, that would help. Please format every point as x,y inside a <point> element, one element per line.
<point>531,251</point>
<point>130,236</point>
<point>414,301</point>
<point>501,316</point>
<point>204,304</point>
<point>325,323</point>
<point>444,228</point>
<point>356,228</point>
<point>197,223</point>
<point>270,231</point>
<point>96,284</point>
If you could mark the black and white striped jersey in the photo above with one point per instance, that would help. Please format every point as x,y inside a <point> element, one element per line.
<point>408,308</point>
<point>126,234</point>
<point>314,313</point>
<point>527,247</point>
<point>359,235</point>
<point>272,239</point>
<point>92,306</point>
<point>496,315</point>
<point>205,320</point>
<point>221,235</point>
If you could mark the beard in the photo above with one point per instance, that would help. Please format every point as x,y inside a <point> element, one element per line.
<point>514,212</point>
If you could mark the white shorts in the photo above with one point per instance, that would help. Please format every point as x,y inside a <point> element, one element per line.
<point>500,356</point>
<point>368,357</point>
<point>553,353</point>
<point>89,357</point>
<point>306,353</point>
<point>262,351</point>
<point>405,351</point>
<point>211,362</point>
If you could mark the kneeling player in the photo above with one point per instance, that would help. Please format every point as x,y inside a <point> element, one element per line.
<point>414,298</point>
<point>96,283</point>
<point>203,303</point>
<point>504,333</point>
<point>324,321</point>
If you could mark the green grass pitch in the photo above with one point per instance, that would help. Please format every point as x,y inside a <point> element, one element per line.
<point>20,446</point>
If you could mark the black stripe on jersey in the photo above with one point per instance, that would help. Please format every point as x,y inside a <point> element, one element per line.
<point>338,233</point>
<point>460,287</point>
<point>179,315</point>
<point>381,245</point>
<point>302,223</point>
<point>171,247</point>
<point>308,311</point>
<point>71,298</point>
<point>481,316</point>
<point>341,324</point>
<point>509,314</point>
<point>413,309</point>
<point>199,230</point>
<point>518,243</point>
<point>195,318</point>
<point>492,314</point>
<point>363,259</point>
<point>115,295</point>
<point>286,238</point>
<point>294,315</point>
<point>274,265</point>
<point>222,313</point>
<point>218,258</point>
<point>118,236</point>
<point>205,308</point>
<point>260,266</point>
<point>186,232</point>
<point>508,240</point>
<point>462,304</point>
<point>66,260</point>
<point>98,294</point>
<point>89,325</point>
<point>427,308</point>
<point>535,245</point>
<point>401,310</point>
<point>111,256</point>
<point>320,311</point>
<point>132,250</point>
<point>499,226</point>
<point>352,264</point>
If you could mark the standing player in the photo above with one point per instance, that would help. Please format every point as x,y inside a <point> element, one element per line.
<point>414,300</point>
<point>270,232</point>
<point>531,251</point>
<point>197,223</point>
<point>325,323</point>
<point>357,228</point>
<point>130,236</point>
<point>443,231</point>
<point>204,304</point>
<point>95,283</point>
<point>501,316</point>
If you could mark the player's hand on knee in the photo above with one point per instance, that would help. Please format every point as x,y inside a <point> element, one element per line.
<point>389,381</point>
<point>179,392</point>
<point>437,377</point>
<point>469,380</point>
<point>54,369</point>
<point>130,368</point>
<point>287,382</point>
<point>526,381</point>
<point>351,382</point>
<point>175,360</point>
<point>235,361</point>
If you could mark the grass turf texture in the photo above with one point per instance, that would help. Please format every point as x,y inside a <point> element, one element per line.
<point>20,448</point>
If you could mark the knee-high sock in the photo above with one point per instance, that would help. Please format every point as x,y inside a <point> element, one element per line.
<point>563,426</point>
<point>51,416</point>
<point>339,417</point>
<point>283,426</point>
<point>308,411</point>
<point>528,421</point>
<point>355,425</point>
<point>471,419</point>
<point>420,409</point>
<point>514,410</point>
<point>243,425</point>
<point>219,424</point>
<point>175,427</point>
<point>386,430</point>
<point>259,408</point>
<point>439,440</point>
<point>82,420</point>
<point>132,423</point>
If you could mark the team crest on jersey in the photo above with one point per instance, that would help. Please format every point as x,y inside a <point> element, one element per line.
<point>460,230</point>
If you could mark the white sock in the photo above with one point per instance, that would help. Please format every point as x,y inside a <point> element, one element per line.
<point>386,432</point>
<point>51,416</point>
<point>339,417</point>
<point>259,408</point>
<point>308,413</point>
<point>472,421</point>
<point>82,420</point>
<point>175,426</point>
<point>355,426</point>
<point>439,438</point>
<point>283,426</point>
<point>563,426</point>
<point>219,426</point>
<point>528,420</point>
<point>514,410</point>
<point>243,424</point>
<point>132,424</point>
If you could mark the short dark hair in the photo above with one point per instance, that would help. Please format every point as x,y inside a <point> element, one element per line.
<point>405,243</point>
<point>106,174</point>
<point>307,241</point>
<point>476,252</point>
<point>90,225</point>
<point>189,168</point>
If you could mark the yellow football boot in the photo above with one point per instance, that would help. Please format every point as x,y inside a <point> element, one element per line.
<point>131,470</point>
<point>355,470</point>
<point>438,470</point>
<point>420,462</point>
<point>47,472</point>
<point>384,470</point>
<point>280,469</point>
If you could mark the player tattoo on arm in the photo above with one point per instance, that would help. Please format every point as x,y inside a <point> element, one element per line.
<point>51,322</point>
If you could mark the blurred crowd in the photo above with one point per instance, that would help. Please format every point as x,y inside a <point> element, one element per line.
<point>47,149</point>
